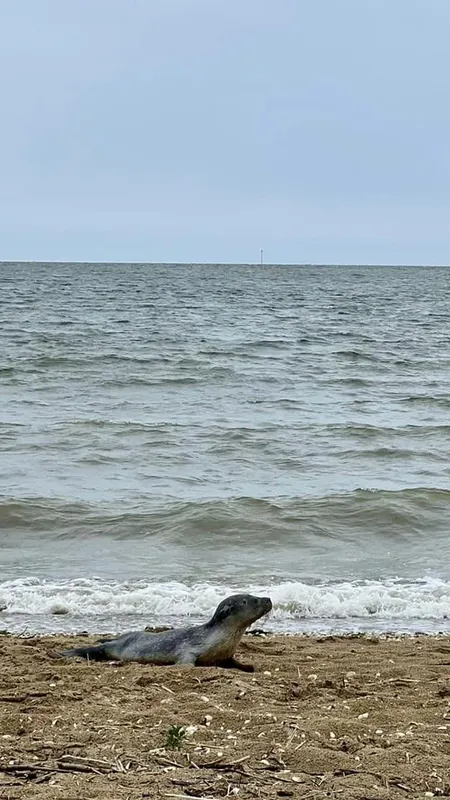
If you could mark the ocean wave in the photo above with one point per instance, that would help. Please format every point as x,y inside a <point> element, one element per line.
<point>137,380</point>
<point>245,348</point>
<point>442,401</point>
<point>393,599</point>
<point>360,431</point>
<point>357,355</point>
<point>390,513</point>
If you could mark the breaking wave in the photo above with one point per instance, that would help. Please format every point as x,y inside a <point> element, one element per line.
<point>297,605</point>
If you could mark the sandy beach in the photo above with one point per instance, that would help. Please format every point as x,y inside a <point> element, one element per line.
<point>354,716</point>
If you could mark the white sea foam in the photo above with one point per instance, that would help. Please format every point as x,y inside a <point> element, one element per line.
<point>48,605</point>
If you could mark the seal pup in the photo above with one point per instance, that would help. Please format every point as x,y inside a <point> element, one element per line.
<point>211,644</point>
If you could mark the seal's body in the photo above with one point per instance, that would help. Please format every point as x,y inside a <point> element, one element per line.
<point>211,644</point>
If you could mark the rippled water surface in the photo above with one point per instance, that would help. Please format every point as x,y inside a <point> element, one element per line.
<point>172,433</point>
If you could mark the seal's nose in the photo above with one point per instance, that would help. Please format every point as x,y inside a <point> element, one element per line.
<point>268,603</point>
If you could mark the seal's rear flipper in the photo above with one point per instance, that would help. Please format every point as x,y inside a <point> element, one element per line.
<point>54,654</point>
<point>94,653</point>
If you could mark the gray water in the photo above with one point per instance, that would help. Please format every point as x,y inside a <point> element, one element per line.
<point>172,433</point>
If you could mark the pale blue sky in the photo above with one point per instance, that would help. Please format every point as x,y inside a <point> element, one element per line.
<point>202,130</point>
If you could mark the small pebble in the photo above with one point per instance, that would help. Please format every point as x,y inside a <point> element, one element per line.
<point>363,716</point>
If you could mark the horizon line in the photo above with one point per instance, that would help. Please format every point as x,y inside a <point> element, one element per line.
<point>11,262</point>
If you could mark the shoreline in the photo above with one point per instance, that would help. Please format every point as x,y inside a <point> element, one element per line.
<point>327,633</point>
<point>351,716</point>
<point>269,634</point>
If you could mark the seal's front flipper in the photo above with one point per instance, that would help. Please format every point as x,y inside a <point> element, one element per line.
<point>231,663</point>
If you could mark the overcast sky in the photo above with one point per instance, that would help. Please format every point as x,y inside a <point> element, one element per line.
<point>204,130</point>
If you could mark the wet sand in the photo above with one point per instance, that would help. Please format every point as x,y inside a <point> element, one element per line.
<point>345,717</point>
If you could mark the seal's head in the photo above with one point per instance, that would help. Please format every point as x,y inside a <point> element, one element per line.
<point>241,610</point>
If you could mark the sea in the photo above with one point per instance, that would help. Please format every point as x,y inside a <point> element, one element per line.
<point>171,434</point>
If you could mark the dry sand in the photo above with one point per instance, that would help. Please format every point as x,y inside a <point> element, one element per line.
<point>345,717</point>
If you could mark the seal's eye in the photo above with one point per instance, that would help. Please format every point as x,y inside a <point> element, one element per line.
<point>244,602</point>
